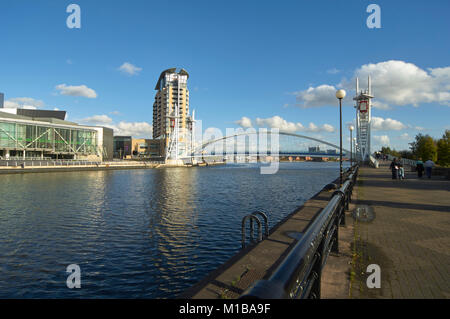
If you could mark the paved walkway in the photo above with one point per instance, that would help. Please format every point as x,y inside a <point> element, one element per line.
<point>409,237</point>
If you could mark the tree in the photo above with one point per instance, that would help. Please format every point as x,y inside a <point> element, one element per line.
<point>443,149</point>
<point>424,147</point>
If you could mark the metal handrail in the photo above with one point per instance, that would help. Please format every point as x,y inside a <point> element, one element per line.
<point>256,219</point>
<point>265,218</point>
<point>299,274</point>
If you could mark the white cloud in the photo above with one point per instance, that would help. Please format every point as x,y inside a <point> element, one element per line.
<point>129,69</point>
<point>244,122</point>
<point>98,120</point>
<point>333,71</point>
<point>328,128</point>
<point>380,124</point>
<point>317,96</point>
<point>405,136</point>
<point>278,122</point>
<point>394,82</point>
<point>80,90</point>
<point>380,105</point>
<point>135,129</point>
<point>23,103</point>
<point>382,140</point>
<point>401,83</point>
<point>283,125</point>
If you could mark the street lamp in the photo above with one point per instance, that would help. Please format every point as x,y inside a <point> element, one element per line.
<point>354,149</point>
<point>351,128</point>
<point>340,94</point>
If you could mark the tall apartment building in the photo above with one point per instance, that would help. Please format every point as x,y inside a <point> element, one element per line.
<point>171,107</point>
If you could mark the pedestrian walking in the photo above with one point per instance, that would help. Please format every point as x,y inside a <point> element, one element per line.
<point>401,171</point>
<point>419,167</point>
<point>429,167</point>
<point>394,168</point>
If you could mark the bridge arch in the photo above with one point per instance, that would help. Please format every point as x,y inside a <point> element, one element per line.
<point>205,144</point>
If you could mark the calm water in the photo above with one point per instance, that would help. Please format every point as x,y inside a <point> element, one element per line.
<point>136,233</point>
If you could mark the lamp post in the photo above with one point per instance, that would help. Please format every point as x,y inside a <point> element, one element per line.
<point>340,94</point>
<point>354,149</point>
<point>351,128</point>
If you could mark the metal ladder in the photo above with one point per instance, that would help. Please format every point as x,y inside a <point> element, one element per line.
<point>254,217</point>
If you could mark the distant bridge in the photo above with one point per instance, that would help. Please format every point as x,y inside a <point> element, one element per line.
<point>200,149</point>
<point>280,154</point>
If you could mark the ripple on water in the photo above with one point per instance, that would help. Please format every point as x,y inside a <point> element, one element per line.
<point>136,233</point>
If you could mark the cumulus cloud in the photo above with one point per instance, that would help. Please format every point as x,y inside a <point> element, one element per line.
<point>98,120</point>
<point>380,124</point>
<point>382,140</point>
<point>278,122</point>
<point>135,129</point>
<point>380,105</point>
<point>129,69</point>
<point>317,96</point>
<point>283,125</point>
<point>244,122</point>
<point>394,82</point>
<point>401,83</point>
<point>80,90</point>
<point>23,103</point>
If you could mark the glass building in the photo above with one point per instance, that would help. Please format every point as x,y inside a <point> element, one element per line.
<point>122,146</point>
<point>21,136</point>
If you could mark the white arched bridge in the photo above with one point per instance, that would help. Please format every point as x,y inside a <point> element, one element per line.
<point>272,150</point>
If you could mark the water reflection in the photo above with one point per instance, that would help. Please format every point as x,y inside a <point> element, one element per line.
<point>136,233</point>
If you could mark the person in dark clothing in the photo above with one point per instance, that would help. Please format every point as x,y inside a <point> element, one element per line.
<point>394,168</point>
<point>419,168</point>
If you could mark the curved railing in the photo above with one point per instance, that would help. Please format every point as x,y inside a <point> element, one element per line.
<point>299,274</point>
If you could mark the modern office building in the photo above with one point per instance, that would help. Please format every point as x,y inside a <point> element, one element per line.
<point>171,120</point>
<point>43,134</point>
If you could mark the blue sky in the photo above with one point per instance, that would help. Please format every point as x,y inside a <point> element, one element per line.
<point>252,59</point>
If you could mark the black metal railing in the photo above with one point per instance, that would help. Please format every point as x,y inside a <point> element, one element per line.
<point>299,274</point>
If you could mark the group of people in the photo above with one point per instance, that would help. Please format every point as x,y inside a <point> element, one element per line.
<point>399,172</point>
<point>427,166</point>
<point>397,169</point>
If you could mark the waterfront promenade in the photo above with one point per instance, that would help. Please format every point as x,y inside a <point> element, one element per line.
<point>409,237</point>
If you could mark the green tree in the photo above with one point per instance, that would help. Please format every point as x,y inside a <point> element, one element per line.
<point>443,149</point>
<point>425,147</point>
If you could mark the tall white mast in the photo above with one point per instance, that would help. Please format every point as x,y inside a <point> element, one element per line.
<point>363,120</point>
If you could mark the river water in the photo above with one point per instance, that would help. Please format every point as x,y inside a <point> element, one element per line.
<point>136,233</point>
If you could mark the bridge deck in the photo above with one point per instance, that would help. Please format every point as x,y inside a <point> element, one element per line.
<point>409,237</point>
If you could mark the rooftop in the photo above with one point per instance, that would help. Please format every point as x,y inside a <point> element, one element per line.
<point>171,70</point>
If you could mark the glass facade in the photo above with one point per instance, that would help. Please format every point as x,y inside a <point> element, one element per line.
<point>49,138</point>
<point>122,146</point>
